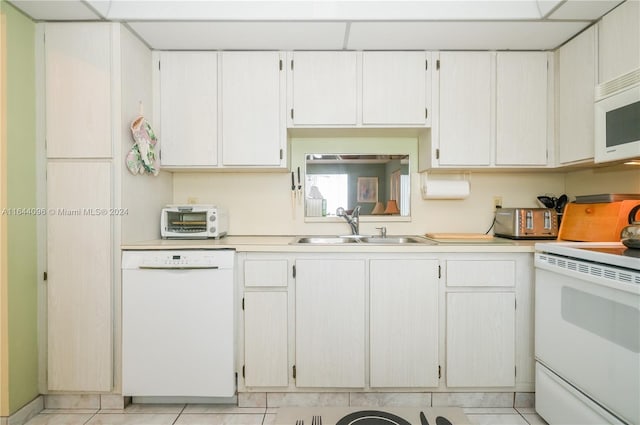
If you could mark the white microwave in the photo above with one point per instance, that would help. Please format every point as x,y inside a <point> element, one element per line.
<point>193,222</point>
<point>617,118</point>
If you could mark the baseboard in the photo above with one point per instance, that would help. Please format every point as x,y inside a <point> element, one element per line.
<point>25,413</point>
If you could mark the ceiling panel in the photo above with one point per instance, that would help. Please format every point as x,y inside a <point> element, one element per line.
<point>52,10</point>
<point>583,9</point>
<point>326,10</point>
<point>461,35</point>
<point>242,35</point>
<point>546,6</point>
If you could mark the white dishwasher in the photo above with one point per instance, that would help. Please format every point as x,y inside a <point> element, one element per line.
<point>178,323</point>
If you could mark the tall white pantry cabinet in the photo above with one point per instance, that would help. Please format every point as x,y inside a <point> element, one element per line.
<point>89,102</point>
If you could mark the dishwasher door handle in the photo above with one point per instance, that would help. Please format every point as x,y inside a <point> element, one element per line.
<point>179,267</point>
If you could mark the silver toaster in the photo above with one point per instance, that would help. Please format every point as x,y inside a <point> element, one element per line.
<point>526,223</point>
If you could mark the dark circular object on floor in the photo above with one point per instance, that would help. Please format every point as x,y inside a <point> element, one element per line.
<point>372,417</point>
<point>442,421</point>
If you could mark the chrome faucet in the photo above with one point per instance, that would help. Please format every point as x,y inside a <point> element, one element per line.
<point>353,219</point>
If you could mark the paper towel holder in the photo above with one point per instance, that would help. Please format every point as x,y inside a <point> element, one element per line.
<point>454,185</point>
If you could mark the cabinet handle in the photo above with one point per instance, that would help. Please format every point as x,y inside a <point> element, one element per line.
<point>291,113</point>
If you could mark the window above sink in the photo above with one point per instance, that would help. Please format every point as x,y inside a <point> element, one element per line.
<point>356,171</point>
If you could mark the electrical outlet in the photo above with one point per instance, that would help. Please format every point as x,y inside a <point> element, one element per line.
<point>497,202</point>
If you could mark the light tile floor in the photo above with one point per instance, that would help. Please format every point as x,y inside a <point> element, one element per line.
<point>193,414</point>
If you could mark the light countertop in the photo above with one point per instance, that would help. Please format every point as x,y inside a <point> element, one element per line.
<point>284,244</point>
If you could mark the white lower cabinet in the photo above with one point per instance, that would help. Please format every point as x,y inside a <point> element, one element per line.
<point>265,347</point>
<point>489,337</point>
<point>265,305</point>
<point>330,323</point>
<point>480,339</point>
<point>79,306</point>
<point>403,323</point>
<point>386,321</point>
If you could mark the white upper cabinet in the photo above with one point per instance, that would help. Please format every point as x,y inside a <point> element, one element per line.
<point>619,41</point>
<point>188,109</point>
<point>576,82</point>
<point>324,88</point>
<point>394,88</point>
<point>521,108</point>
<point>465,96</point>
<point>253,125</point>
<point>78,90</point>
<point>493,111</point>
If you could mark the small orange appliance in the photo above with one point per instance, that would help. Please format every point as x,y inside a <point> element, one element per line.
<point>595,222</point>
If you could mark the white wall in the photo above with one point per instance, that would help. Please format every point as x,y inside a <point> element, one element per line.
<point>142,195</point>
<point>260,203</point>
<point>615,179</point>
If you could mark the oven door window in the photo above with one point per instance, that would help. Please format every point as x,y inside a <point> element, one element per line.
<point>187,222</point>
<point>611,320</point>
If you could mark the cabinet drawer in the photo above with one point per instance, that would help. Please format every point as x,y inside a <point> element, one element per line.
<point>265,273</point>
<point>481,272</point>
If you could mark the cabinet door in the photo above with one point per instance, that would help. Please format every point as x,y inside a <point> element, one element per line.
<point>521,108</point>
<point>394,88</point>
<point>265,339</point>
<point>188,108</point>
<point>253,130</point>
<point>78,90</point>
<point>576,82</point>
<point>266,272</point>
<point>619,41</point>
<point>465,108</point>
<point>324,88</point>
<point>404,323</point>
<point>481,339</point>
<point>330,325</point>
<point>79,268</point>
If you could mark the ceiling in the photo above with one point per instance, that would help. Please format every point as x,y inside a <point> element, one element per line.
<point>336,25</point>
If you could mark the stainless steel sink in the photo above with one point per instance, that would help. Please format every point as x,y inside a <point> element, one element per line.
<point>369,240</point>
<point>396,240</point>
<point>324,240</point>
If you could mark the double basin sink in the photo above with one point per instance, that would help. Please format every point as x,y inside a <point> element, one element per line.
<point>357,239</point>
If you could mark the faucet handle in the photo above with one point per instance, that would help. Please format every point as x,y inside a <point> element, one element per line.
<point>383,231</point>
<point>340,212</point>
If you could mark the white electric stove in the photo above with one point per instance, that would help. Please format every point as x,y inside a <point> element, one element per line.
<point>587,333</point>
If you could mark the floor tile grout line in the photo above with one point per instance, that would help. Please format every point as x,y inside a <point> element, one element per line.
<point>179,414</point>
<point>91,417</point>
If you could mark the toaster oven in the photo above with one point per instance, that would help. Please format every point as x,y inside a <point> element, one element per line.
<point>193,222</point>
<point>526,223</point>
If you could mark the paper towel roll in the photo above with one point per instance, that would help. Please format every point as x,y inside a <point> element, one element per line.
<point>445,189</point>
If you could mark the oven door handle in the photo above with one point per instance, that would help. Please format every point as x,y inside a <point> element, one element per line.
<point>179,267</point>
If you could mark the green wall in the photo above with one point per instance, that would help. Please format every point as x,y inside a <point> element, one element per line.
<point>21,193</point>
